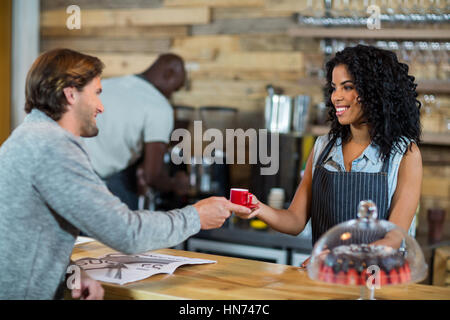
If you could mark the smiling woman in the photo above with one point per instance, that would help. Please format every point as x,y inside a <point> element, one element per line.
<point>5,66</point>
<point>370,152</point>
<point>345,97</point>
<point>384,92</point>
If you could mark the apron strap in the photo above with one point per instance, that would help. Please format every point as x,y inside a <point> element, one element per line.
<point>385,167</point>
<point>325,152</point>
<point>329,146</point>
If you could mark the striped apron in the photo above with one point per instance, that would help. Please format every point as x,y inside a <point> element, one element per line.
<point>336,195</point>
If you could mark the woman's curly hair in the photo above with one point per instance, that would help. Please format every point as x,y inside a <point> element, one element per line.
<point>387,95</point>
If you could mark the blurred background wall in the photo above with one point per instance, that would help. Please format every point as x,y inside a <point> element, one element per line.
<point>25,49</point>
<point>234,48</point>
<point>5,67</point>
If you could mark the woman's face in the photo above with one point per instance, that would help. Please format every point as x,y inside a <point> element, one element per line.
<point>344,97</point>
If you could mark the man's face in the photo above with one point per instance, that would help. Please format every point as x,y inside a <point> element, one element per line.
<point>87,107</point>
<point>175,81</point>
<point>181,79</point>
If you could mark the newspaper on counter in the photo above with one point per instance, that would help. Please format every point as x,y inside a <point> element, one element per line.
<point>81,240</point>
<point>121,269</point>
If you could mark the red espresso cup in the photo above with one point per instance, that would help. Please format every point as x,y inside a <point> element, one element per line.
<point>242,197</point>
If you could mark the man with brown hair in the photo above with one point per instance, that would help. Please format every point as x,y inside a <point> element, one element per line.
<point>49,191</point>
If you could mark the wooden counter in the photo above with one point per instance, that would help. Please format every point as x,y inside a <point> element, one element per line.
<point>242,279</point>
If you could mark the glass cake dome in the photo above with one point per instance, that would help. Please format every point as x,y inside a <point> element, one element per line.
<point>367,252</point>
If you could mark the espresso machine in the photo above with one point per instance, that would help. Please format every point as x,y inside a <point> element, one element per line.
<point>210,175</point>
<point>156,200</point>
<point>287,117</point>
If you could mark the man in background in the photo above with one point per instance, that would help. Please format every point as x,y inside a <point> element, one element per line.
<point>49,191</point>
<point>135,131</point>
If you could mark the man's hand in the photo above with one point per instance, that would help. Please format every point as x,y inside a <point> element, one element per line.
<point>214,211</point>
<point>90,289</point>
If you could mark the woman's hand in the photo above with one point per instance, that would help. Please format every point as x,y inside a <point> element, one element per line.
<point>391,239</point>
<point>256,204</point>
<point>320,256</point>
<point>305,263</point>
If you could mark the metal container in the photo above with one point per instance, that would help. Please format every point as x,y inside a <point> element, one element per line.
<point>300,116</point>
<point>284,114</point>
<point>184,116</point>
<point>278,112</point>
<point>207,177</point>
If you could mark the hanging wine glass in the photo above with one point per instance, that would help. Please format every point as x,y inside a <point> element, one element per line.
<point>354,9</point>
<point>404,9</point>
<point>418,11</point>
<point>336,9</point>
<point>363,11</point>
<point>309,10</point>
<point>399,15</point>
<point>444,65</point>
<point>387,11</point>
<point>394,47</point>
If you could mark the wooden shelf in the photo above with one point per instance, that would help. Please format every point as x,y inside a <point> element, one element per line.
<point>312,81</point>
<point>442,139</point>
<point>365,33</point>
<point>423,86</point>
<point>433,86</point>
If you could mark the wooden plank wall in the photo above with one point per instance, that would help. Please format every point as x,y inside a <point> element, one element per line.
<point>435,186</point>
<point>232,48</point>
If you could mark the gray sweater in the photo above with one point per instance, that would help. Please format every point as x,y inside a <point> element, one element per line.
<point>48,193</point>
